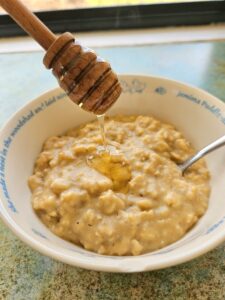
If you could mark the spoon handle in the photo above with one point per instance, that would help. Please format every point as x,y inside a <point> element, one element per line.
<point>29,22</point>
<point>209,148</point>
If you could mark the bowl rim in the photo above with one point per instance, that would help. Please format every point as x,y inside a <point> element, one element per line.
<point>89,263</point>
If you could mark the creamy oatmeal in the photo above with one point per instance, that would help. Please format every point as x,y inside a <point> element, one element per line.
<point>131,201</point>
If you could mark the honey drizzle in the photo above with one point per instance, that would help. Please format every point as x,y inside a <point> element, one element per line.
<point>101,122</point>
<point>110,163</point>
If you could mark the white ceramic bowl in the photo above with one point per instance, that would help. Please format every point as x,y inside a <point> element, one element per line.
<point>200,116</point>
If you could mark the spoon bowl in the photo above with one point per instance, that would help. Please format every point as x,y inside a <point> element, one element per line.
<point>209,148</point>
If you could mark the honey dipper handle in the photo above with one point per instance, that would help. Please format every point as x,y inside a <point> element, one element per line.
<point>29,22</point>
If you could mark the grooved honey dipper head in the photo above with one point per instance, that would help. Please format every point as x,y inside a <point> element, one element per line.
<point>87,79</point>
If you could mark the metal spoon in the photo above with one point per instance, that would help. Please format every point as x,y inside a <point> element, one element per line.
<point>209,148</point>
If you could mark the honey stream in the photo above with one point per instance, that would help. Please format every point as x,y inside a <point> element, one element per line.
<point>101,122</point>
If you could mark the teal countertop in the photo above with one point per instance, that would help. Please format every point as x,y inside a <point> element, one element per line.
<point>27,275</point>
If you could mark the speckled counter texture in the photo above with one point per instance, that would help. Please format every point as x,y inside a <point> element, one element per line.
<point>27,275</point>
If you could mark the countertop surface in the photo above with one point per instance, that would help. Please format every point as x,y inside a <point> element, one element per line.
<point>26,274</point>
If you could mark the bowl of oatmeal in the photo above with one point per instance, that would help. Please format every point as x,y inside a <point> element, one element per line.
<point>118,204</point>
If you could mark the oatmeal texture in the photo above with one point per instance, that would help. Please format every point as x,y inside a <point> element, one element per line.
<point>129,200</point>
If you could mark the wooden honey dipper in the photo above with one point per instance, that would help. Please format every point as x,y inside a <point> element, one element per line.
<point>87,79</point>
